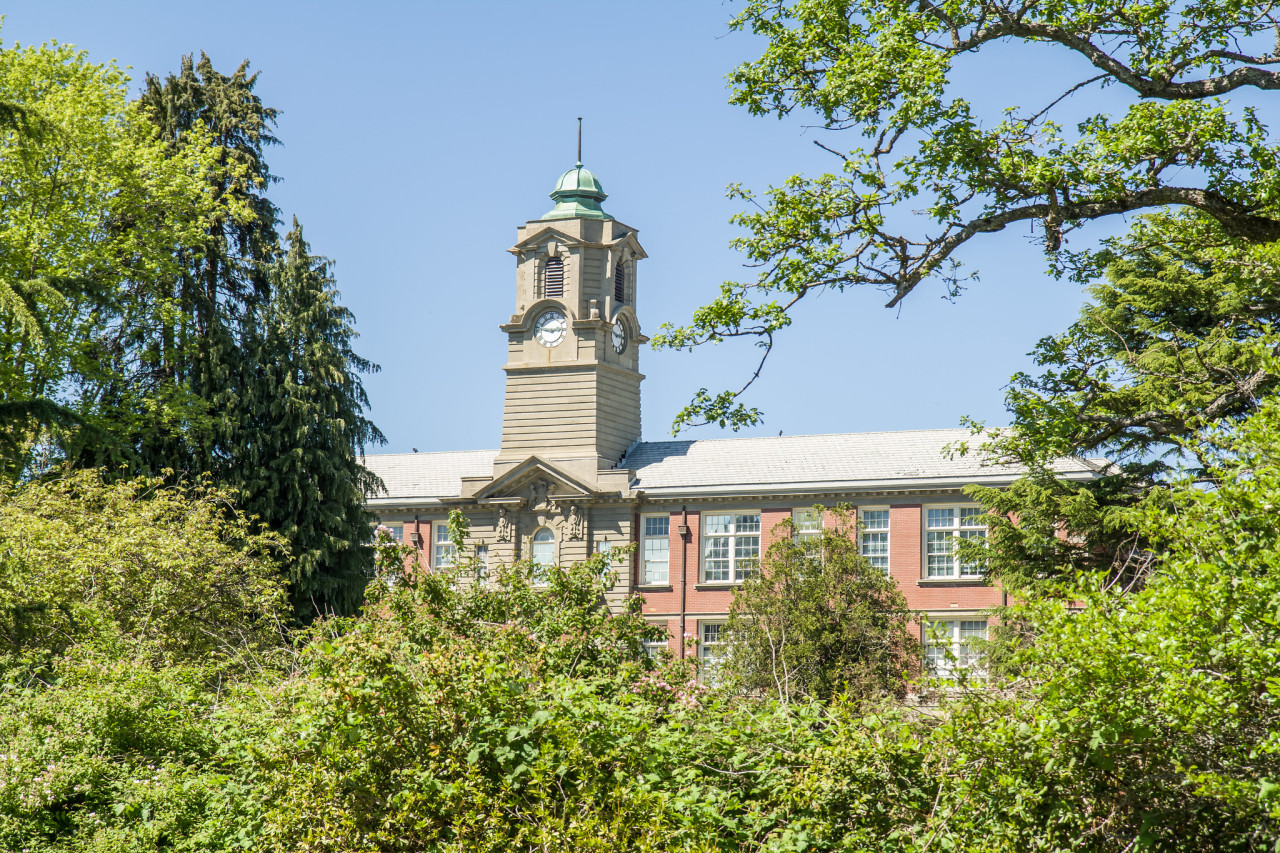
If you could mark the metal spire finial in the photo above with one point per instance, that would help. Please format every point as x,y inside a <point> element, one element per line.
<point>579,142</point>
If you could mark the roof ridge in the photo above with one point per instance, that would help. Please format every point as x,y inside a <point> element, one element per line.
<point>812,435</point>
<point>429,453</point>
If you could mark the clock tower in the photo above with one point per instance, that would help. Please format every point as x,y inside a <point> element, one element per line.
<point>573,375</point>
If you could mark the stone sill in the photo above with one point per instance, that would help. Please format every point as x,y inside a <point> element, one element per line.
<point>655,588</point>
<point>952,582</point>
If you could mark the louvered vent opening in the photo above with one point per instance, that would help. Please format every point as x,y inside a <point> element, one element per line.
<point>619,280</point>
<point>553,278</point>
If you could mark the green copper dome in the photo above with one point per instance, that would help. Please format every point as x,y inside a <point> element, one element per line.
<point>578,195</point>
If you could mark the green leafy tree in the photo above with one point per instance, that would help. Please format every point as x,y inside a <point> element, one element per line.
<point>818,620</point>
<point>455,716</point>
<point>197,353</point>
<point>133,568</point>
<point>132,615</point>
<point>91,204</point>
<point>1178,338</point>
<point>1147,718</point>
<point>299,430</point>
<point>887,72</point>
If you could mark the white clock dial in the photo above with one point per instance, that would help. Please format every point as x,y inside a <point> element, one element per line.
<point>619,336</point>
<point>550,328</point>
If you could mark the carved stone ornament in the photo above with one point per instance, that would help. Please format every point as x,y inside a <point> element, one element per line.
<point>576,525</point>
<point>539,494</point>
<point>504,525</point>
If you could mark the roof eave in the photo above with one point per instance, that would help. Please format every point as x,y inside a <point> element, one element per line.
<point>887,485</point>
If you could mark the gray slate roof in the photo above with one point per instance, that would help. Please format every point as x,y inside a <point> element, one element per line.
<point>839,460</point>
<point>727,465</point>
<point>429,475</point>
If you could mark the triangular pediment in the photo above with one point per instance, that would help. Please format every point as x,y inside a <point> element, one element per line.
<point>633,243</point>
<point>532,479</point>
<point>543,235</point>
<point>550,233</point>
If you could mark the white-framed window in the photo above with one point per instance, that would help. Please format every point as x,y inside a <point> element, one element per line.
<point>482,565</point>
<point>873,537</point>
<point>542,551</point>
<point>949,647</point>
<point>807,524</point>
<point>655,648</point>
<point>655,550</point>
<point>711,650</point>
<point>443,552</point>
<point>730,546</point>
<point>943,528</point>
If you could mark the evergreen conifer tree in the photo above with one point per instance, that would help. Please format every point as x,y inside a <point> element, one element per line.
<point>300,432</point>
<point>197,355</point>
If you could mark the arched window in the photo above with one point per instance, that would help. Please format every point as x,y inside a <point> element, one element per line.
<point>619,282</point>
<point>553,278</point>
<point>543,553</point>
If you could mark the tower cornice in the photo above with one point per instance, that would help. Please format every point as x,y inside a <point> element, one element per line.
<point>537,239</point>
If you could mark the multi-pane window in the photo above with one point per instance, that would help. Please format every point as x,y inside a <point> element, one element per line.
<point>711,650</point>
<point>655,648</point>
<point>482,564</point>
<point>873,537</point>
<point>944,528</point>
<point>807,524</point>
<point>395,531</point>
<point>949,647</point>
<point>655,550</point>
<point>730,546</point>
<point>542,552</point>
<point>445,552</point>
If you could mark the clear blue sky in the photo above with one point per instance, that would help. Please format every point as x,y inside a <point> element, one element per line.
<point>417,136</point>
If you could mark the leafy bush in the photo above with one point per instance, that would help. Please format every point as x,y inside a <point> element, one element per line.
<point>819,620</point>
<point>515,716</point>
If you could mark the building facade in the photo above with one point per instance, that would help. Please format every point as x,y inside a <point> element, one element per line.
<point>572,476</point>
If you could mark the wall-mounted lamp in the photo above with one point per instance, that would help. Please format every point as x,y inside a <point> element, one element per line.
<point>416,538</point>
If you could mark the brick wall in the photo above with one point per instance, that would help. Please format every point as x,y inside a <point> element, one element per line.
<point>906,563</point>
<point>906,566</point>
<point>769,519</point>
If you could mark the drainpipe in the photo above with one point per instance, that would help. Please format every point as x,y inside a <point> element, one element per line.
<point>683,530</point>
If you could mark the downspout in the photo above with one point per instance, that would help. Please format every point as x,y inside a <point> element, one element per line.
<point>417,533</point>
<point>684,574</point>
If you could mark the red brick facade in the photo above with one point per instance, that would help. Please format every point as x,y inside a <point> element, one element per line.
<point>687,601</point>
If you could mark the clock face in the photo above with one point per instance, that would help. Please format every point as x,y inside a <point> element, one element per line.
<point>550,328</point>
<point>619,336</point>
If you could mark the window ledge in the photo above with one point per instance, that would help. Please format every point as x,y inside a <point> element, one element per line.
<point>718,585</point>
<point>952,582</point>
<point>659,587</point>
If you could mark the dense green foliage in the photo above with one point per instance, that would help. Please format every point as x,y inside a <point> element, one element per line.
<point>451,716</point>
<point>197,351</point>
<point>1178,338</point>
<point>91,208</point>
<point>299,428</point>
<point>938,170</point>
<point>818,620</point>
<point>157,694</point>
<point>148,309</point>
<point>132,568</point>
